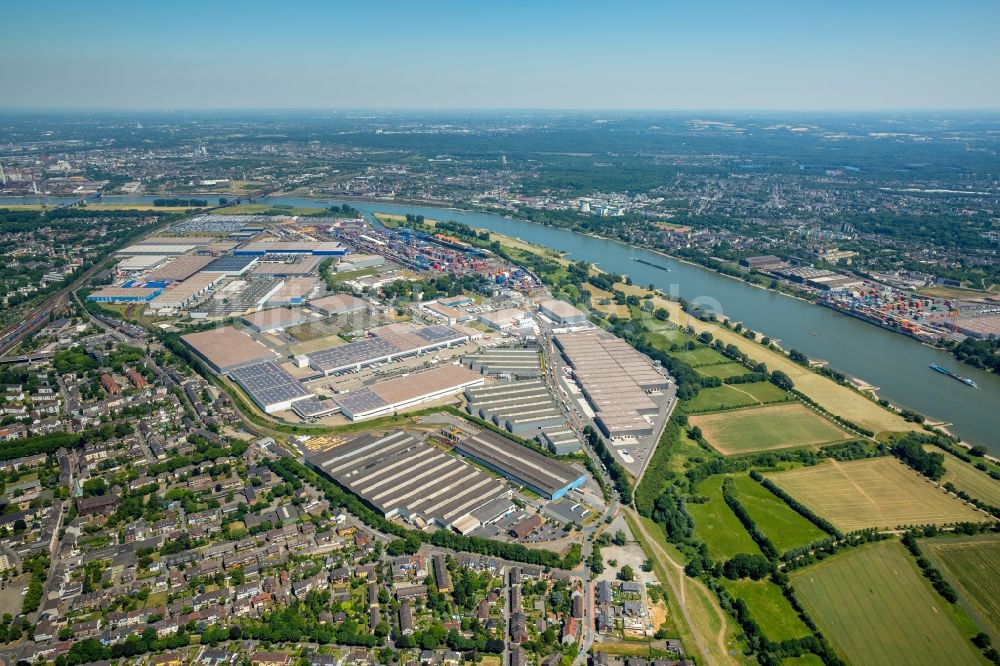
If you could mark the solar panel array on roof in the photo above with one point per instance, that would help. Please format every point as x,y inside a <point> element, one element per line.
<point>388,343</point>
<point>351,354</point>
<point>309,408</point>
<point>401,476</point>
<point>229,264</point>
<point>270,386</point>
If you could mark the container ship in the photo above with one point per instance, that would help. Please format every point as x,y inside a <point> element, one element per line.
<point>964,380</point>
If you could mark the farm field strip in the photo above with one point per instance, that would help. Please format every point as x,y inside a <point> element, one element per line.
<point>876,608</point>
<point>973,567</point>
<point>874,492</point>
<point>780,523</point>
<point>717,525</point>
<point>766,428</point>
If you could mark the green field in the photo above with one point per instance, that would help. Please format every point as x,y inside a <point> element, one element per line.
<point>723,370</point>
<point>766,428</point>
<point>972,565</point>
<point>875,608</point>
<point>717,525</point>
<point>765,392</point>
<point>784,527</point>
<point>769,607</point>
<point>875,492</point>
<point>700,356</point>
<point>967,478</point>
<point>719,397</point>
<point>804,660</point>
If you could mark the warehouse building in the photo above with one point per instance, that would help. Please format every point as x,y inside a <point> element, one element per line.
<point>562,313</point>
<point>386,344</point>
<point>125,294</point>
<point>338,304</point>
<point>561,440</point>
<point>402,477</point>
<point>270,386</point>
<point>616,380</point>
<point>763,262</point>
<point>225,349</point>
<point>187,292</point>
<point>391,396</point>
<point>506,362</point>
<point>181,247</point>
<point>180,268</point>
<point>275,318</point>
<point>522,408</point>
<point>547,477</point>
<point>295,266</point>
<point>139,262</point>
<point>313,408</point>
<point>508,319</point>
<point>262,248</point>
<point>294,291</point>
<point>230,265</point>
<point>357,262</point>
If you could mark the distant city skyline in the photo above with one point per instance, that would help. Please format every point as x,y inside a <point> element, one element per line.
<point>639,56</point>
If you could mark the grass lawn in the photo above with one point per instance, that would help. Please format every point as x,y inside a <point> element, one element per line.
<point>784,527</point>
<point>972,565</point>
<point>876,608</point>
<point>723,370</point>
<point>719,397</point>
<point>717,525</point>
<point>766,428</point>
<point>700,356</point>
<point>769,607</point>
<point>875,492</point>
<point>965,477</point>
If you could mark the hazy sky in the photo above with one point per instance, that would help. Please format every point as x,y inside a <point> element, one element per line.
<point>710,54</point>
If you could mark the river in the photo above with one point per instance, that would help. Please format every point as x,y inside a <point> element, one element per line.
<point>898,365</point>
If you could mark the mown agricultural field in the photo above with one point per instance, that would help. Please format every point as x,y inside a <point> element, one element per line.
<point>769,608</point>
<point>717,525</point>
<point>700,356</point>
<point>875,608</point>
<point>967,478</point>
<point>779,522</point>
<point>766,428</point>
<point>972,565</point>
<point>875,492</point>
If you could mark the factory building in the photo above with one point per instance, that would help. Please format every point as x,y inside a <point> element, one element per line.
<point>402,477</point>
<point>391,396</point>
<point>522,408</point>
<point>562,313</point>
<point>762,262</point>
<point>225,349</point>
<point>548,477</point>
<point>294,266</point>
<point>262,248</point>
<point>506,362</point>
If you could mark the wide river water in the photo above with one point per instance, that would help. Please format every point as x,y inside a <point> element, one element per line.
<point>898,365</point>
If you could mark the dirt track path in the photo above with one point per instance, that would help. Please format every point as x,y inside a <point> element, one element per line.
<point>713,649</point>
